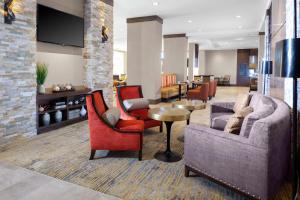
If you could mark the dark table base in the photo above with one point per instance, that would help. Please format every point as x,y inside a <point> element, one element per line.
<point>167,156</point>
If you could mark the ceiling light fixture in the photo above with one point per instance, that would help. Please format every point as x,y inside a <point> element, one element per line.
<point>190,21</point>
<point>238,16</point>
<point>155,3</point>
<point>239,39</point>
<point>240,27</point>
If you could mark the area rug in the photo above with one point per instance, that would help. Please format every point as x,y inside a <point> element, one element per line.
<point>64,154</point>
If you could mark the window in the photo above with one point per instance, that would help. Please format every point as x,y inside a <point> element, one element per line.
<point>119,62</point>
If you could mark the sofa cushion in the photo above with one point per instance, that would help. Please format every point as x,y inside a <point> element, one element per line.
<point>111,116</point>
<point>134,104</point>
<point>235,121</point>
<point>261,111</point>
<point>220,120</point>
<point>141,114</point>
<point>241,102</point>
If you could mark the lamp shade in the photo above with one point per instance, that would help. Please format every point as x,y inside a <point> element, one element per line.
<point>267,67</point>
<point>287,58</point>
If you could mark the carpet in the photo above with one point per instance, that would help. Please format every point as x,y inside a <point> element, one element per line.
<point>64,154</point>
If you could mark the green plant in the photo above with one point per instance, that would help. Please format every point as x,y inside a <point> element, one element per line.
<point>41,73</point>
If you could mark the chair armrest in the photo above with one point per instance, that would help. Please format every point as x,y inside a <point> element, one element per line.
<point>222,107</point>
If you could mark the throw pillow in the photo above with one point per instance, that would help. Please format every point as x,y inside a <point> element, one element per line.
<point>261,111</point>
<point>241,102</point>
<point>135,104</point>
<point>235,122</point>
<point>112,116</point>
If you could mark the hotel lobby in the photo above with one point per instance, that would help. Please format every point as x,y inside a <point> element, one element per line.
<point>149,99</point>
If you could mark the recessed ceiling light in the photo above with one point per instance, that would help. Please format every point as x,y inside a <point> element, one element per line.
<point>155,3</point>
<point>240,27</point>
<point>190,21</point>
<point>238,16</point>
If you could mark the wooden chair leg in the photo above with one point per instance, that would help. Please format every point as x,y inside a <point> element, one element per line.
<point>92,154</point>
<point>140,155</point>
<point>161,128</point>
<point>141,148</point>
<point>186,171</point>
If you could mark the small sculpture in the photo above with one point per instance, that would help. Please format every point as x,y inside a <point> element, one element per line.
<point>9,15</point>
<point>104,34</point>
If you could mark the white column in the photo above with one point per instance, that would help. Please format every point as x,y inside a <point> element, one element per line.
<point>175,55</point>
<point>144,45</point>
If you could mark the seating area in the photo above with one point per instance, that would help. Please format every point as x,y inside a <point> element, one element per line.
<point>142,100</point>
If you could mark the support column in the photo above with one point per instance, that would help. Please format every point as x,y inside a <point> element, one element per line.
<point>98,55</point>
<point>18,71</point>
<point>193,60</point>
<point>144,46</point>
<point>175,55</point>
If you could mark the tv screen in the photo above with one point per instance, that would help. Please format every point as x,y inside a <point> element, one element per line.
<point>57,27</point>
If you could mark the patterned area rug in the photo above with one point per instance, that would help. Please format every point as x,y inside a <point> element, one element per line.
<point>64,154</point>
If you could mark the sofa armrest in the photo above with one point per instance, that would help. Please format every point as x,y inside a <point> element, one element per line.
<point>219,135</point>
<point>222,107</point>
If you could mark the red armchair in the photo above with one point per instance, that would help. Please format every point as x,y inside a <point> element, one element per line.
<point>200,93</point>
<point>211,89</point>
<point>125,136</point>
<point>134,92</point>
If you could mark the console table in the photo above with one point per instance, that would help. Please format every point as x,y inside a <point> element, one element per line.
<point>50,98</point>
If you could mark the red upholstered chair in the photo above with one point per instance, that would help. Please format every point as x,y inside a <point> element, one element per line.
<point>127,135</point>
<point>200,93</point>
<point>211,89</point>
<point>134,92</point>
<point>215,87</point>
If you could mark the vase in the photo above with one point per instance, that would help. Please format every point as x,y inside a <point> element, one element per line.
<point>58,116</point>
<point>82,111</point>
<point>41,89</point>
<point>46,119</point>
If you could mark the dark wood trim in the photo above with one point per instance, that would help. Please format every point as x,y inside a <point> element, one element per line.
<point>145,19</point>
<point>190,169</point>
<point>261,33</point>
<point>92,154</point>
<point>108,2</point>
<point>175,35</point>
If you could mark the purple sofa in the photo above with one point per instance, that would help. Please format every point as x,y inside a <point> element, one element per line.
<point>255,162</point>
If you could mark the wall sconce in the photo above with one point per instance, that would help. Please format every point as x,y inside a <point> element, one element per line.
<point>104,34</point>
<point>9,15</point>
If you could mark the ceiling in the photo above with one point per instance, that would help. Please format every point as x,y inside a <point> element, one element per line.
<point>214,24</point>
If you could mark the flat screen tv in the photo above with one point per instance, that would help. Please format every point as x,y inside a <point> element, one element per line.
<point>57,27</point>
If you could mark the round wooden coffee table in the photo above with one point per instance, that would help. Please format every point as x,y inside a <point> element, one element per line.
<point>190,105</point>
<point>168,116</point>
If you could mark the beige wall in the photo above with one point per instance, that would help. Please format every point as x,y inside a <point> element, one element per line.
<point>144,45</point>
<point>221,62</point>
<point>63,68</point>
<point>65,64</point>
<point>175,57</point>
<point>201,69</point>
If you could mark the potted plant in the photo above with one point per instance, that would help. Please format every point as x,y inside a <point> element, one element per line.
<point>41,75</point>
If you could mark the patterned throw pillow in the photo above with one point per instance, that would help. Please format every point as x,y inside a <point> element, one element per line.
<point>241,102</point>
<point>112,116</point>
<point>235,122</point>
